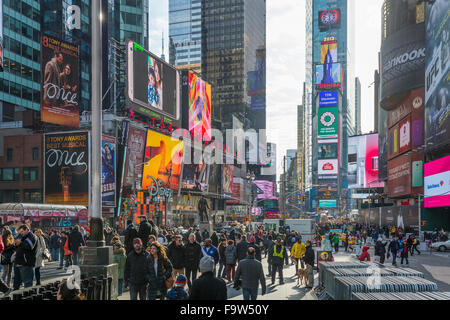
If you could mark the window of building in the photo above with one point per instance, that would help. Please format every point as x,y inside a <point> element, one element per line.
<point>32,196</point>
<point>30,174</point>
<point>9,154</point>
<point>35,153</point>
<point>10,196</point>
<point>9,174</point>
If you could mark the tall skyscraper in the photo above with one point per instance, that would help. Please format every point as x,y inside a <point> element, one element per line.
<point>20,79</point>
<point>185,33</point>
<point>329,94</point>
<point>300,147</point>
<point>357,106</point>
<point>233,59</point>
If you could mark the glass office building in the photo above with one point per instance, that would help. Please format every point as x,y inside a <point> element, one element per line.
<point>185,33</point>
<point>19,82</point>
<point>234,59</point>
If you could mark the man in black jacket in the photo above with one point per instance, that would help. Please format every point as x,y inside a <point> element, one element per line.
<point>54,245</point>
<point>256,247</point>
<point>130,234</point>
<point>193,254</point>
<point>176,255</point>
<point>25,257</point>
<point>251,272</point>
<point>145,229</point>
<point>76,240</point>
<point>308,259</point>
<point>137,268</point>
<point>241,248</point>
<point>208,287</point>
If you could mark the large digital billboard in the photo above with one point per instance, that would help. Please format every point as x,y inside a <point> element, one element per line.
<point>328,52</point>
<point>363,162</point>
<point>328,204</point>
<point>135,155</point>
<point>329,19</point>
<point>437,74</point>
<point>328,151</point>
<point>404,135</point>
<point>227,178</point>
<point>153,85</point>
<point>437,183</point>
<point>328,99</point>
<point>328,122</point>
<point>264,189</point>
<point>399,176</point>
<point>328,76</point>
<point>163,159</point>
<point>328,167</point>
<point>195,175</point>
<point>60,87</point>
<point>108,171</point>
<point>66,168</point>
<point>199,107</point>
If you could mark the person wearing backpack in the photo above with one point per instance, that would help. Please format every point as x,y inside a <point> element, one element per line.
<point>415,243</point>
<point>231,259</point>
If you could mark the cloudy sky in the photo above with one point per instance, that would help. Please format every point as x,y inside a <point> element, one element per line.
<point>286,61</point>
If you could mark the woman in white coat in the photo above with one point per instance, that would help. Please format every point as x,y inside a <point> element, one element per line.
<point>41,248</point>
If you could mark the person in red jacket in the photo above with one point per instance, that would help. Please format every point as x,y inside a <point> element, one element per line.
<point>365,254</point>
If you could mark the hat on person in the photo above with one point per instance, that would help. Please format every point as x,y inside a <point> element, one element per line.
<point>181,281</point>
<point>206,264</point>
<point>252,239</point>
<point>137,240</point>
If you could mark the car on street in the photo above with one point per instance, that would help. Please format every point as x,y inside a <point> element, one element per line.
<point>441,246</point>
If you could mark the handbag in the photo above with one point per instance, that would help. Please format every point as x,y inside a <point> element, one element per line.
<point>46,254</point>
<point>170,281</point>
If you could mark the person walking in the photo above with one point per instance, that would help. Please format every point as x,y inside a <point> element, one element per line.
<point>40,255</point>
<point>230,259</point>
<point>277,256</point>
<point>160,271</point>
<point>137,269</point>
<point>5,289</point>
<point>255,246</point>
<point>145,229</point>
<point>270,244</point>
<point>207,286</point>
<point>415,243</point>
<point>121,259</point>
<point>297,252</point>
<point>308,259</point>
<point>193,254</point>
<point>62,243</point>
<point>130,234</point>
<point>251,272</point>
<point>404,252</point>
<point>76,241</point>
<point>209,250</point>
<point>380,249</point>
<point>54,245</point>
<point>346,240</point>
<point>176,255</point>
<point>393,248</point>
<point>215,239</point>
<point>6,256</point>
<point>25,257</point>
<point>222,258</point>
<point>178,292</point>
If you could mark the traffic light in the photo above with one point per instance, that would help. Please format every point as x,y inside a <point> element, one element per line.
<point>303,198</point>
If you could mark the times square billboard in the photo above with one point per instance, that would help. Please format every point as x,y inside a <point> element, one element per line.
<point>437,74</point>
<point>363,162</point>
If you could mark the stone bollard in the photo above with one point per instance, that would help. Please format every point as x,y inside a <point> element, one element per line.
<point>110,279</point>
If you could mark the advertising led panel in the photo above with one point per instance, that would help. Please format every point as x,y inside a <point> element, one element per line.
<point>328,52</point>
<point>199,107</point>
<point>328,204</point>
<point>437,183</point>
<point>329,19</point>
<point>60,87</point>
<point>328,123</point>
<point>328,151</point>
<point>328,167</point>
<point>399,176</point>
<point>405,135</point>
<point>328,76</point>
<point>109,171</point>
<point>153,85</point>
<point>328,99</point>
<point>163,158</point>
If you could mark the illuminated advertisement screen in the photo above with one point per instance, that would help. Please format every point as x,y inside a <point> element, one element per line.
<point>328,122</point>
<point>109,171</point>
<point>328,204</point>
<point>328,52</point>
<point>195,175</point>
<point>329,19</point>
<point>405,135</point>
<point>437,183</point>
<point>328,151</point>
<point>60,87</point>
<point>328,76</point>
<point>66,168</point>
<point>264,189</point>
<point>227,176</point>
<point>328,167</point>
<point>328,99</point>
<point>163,158</point>
<point>153,85</point>
<point>135,155</point>
<point>363,162</point>
<point>199,107</point>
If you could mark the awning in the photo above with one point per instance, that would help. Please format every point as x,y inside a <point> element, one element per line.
<point>41,210</point>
